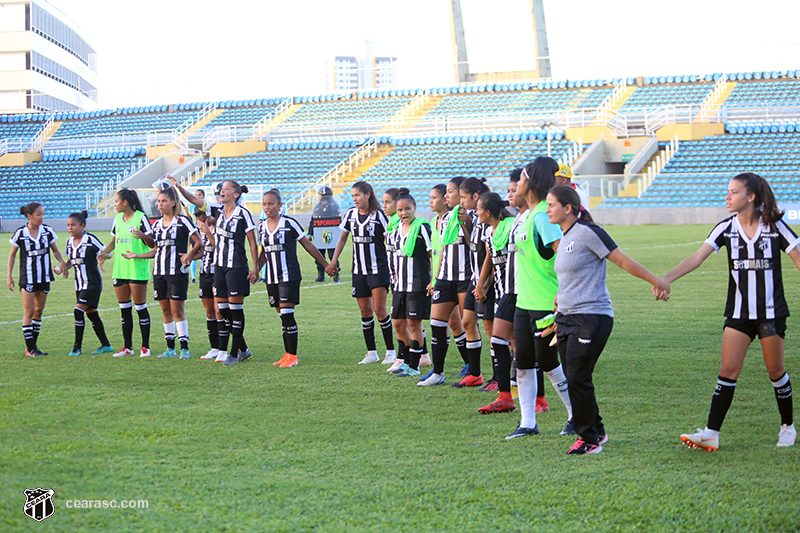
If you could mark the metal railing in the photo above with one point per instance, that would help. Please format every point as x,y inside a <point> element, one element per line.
<point>3,147</point>
<point>641,155</point>
<point>262,127</point>
<point>654,168</point>
<point>103,197</point>
<point>573,153</point>
<point>709,105</point>
<point>38,141</point>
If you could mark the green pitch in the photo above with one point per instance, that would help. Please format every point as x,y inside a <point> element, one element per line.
<point>333,446</point>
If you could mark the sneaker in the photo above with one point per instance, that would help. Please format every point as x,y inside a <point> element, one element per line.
<point>281,360</point>
<point>403,367</point>
<point>75,352</point>
<point>39,352</point>
<point>497,406</point>
<point>787,436</point>
<point>408,372</point>
<point>212,354</point>
<point>231,360</point>
<point>185,354</point>
<point>391,357</point>
<point>194,280</point>
<point>169,352</point>
<point>123,352</point>
<point>29,353</point>
<point>145,352</point>
<point>541,404</point>
<point>435,379</point>
<point>426,376</point>
<point>463,372</point>
<point>395,368</point>
<point>582,447</point>
<point>490,386</point>
<point>320,278</point>
<point>245,355</point>
<point>336,278</point>
<point>371,357</point>
<point>103,349</point>
<point>289,362</point>
<point>425,360</point>
<point>700,440</point>
<point>568,429</point>
<point>469,381</point>
<point>603,438</point>
<point>523,432</point>
<point>221,357</point>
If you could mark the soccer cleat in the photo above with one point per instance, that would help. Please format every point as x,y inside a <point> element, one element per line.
<point>787,436</point>
<point>231,360</point>
<point>425,360</point>
<point>490,386</point>
<point>463,372</point>
<point>29,353</point>
<point>245,355</point>
<point>103,349</point>
<point>289,362</point>
<point>169,352</point>
<point>523,432</point>
<point>700,440</point>
<point>391,357</point>
<point>426,376</point>
<point>185,354</point>
<point>603,438</point>
<point>541,404</point>
<point>75,352</point>
<point>396,365</point>
<point>469,381</point>
<point>221,357</point>
<point>123,352</point>
<point>497,406</point>
<point>336,278</point>
<point>281,360</point>
<point>568,429</point>
<point>582,447</point>
<point>371,357</point>
<point>145,352</point>
<point>435,379</point>
<point>39,352</point>
<point>408,372</point>
<point>212,354</point>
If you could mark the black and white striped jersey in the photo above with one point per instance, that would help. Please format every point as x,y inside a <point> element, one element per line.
<point>34,254</point>
<point>411,274</point>
<point>369,241</point>
<point>83,259</point>
<point>510,285</point>
<point>499,263</point>
<point>477,248</point>
<point>231,238</point>
<point>755,286</point>
<point>391,251</point>
<point>172,241</point>
<point>207,261</point>
<point>455,262</point>
<point>280,249</point>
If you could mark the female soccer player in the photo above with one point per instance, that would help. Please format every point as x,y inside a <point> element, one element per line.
<point>82,251</point>
<point>34,241</point>
<point>205,225</point>
<point>536,245</point>
<point>201,194</point>
<point>371,279</point>
<point>172,233</point>
<point>410,301</point>
<point>279,236</point>
<point>585,316</point>
<point>131,233</point>
<point>756,305</point>
<point>453,274</point>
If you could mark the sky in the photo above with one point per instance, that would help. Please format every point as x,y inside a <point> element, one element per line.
<point>173,51</point>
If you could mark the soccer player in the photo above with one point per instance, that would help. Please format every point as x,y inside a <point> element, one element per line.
<point>205,225</point>
<point>585,316</point>
<point>172,233</point>
<point>82,250</point>
<point>201,194</point>
<point>34,241</point>
<point>279,236</point>
<point>756,306</point>
<point>371,279</point>
<point>411,303</point>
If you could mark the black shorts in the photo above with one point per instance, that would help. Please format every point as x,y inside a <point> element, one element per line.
<point>170,287</point>
<point>121,282</point>
<point>505,308</point>
<point>448,291</point>
<point>90,297</point>
<point>411,305</point>
<point>35,287</point>
<point>483,310</point>
<point>762,328</point>
<point>231,282</point>
<point>364,283</point>
<point>205,284</point>
<point>284,293</point>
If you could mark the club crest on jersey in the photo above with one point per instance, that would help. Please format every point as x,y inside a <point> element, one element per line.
<point>39,503</point>
<point>570,247</point>
<point>763,245</point>
<point>371,229</point>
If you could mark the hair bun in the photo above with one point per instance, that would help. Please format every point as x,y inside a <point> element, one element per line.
<point>245,190</point>
<point>85,213</point>
<point>22,211</point>
<point>403,190</point>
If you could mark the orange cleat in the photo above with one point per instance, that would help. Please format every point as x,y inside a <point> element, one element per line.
<point>281,360</point>
<point>469,381</point>
<point>498,406</point>
<point>289,361</point>
<point>541,405</point>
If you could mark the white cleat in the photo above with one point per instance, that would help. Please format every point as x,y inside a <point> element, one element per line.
<point>145,352</point>
<point>435,379</point>
<point>702,439</point>
<point>395,366</point>
<point>123,352</point>
<point>787,436</point>
<point>221,357</point>
<point>212,354</point>
<point>371,357</point>
<point>391,357</point>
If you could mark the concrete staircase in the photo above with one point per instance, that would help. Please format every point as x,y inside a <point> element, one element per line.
<point>408,117</point>
<point>354,175</point>
<point>632,190</point>
<point>712,103</point>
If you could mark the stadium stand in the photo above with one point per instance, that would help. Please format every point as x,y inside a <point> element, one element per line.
<point>657,96</point>
<point>345,112</point>
<point>114,124</point>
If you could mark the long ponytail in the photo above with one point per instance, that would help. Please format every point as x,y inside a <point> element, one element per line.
<point>765,203</point>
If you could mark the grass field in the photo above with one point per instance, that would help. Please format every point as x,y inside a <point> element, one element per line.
<point>332,446</point>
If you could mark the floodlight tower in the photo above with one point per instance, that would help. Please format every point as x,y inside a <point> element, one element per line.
<point>461,61</point>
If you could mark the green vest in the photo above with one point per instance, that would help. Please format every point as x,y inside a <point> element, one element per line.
<point>124,242</point>
<point>537,283</point>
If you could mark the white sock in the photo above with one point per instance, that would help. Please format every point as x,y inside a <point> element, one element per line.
<point>183,329</point>
<point>526,385</point>
<point>559,381</point>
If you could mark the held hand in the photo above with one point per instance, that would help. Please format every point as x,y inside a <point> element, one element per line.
<point>58,270</point>
<point>662,290</point>
<point>137,234</point>
<point>129,255</point>
<point>65,273</point>
<point>331,269</point>
<point>184,259</point>
<point>253,276</point>
<point>479,294</point>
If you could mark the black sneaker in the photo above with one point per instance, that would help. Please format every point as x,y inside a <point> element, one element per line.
<point>336,278</point>
<point>194,280</point>
<point>584,448</point>
<point>568,429</point>
<point>523,432</point>
<point>37,352</point>
<point>230,361</point>
<point>320,278</point>
<point>245,355</point>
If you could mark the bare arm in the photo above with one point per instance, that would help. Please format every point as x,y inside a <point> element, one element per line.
<point>147,255</point>
<point>196,251</point>
<point>251,238</point>
<point>12,256</point>
<point>692,262</point>
<point>660,287</point>
<point>191,198</point>
<point>313,252</point>
<point>795,255</point>
<point>331,270</point>
<point>484,280</point>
